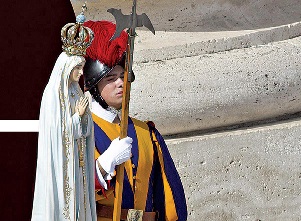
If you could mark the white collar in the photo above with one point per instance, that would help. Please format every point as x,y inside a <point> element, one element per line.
<point>108,115</point>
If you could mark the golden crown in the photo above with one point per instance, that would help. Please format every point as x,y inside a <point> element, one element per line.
<point>77,38</point>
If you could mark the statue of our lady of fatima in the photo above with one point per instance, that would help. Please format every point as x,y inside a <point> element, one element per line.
<point>64,187</point>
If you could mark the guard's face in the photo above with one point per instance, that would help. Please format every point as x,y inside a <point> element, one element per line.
<point>111,87</point>
<point>77,72</point>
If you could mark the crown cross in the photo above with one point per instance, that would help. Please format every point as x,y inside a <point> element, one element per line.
<point>77,38</point>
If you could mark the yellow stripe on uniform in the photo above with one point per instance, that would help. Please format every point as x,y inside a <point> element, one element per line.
<point>145,163</point>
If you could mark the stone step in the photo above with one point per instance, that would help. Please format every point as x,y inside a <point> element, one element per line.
<point>221,89</point>
<point>242,175</point>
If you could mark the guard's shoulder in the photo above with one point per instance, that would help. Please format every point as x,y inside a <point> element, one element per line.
<point>147,124</point>
<point>151,124</point>
<point>139,122</point>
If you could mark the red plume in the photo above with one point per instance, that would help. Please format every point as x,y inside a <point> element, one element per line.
<point>102,49</point>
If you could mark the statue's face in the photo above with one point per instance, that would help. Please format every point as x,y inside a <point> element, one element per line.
<point>77,72</point>
<point>111,87</point>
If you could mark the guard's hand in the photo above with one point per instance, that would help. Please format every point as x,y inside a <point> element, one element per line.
<point>81,105</point>
<point>117,153</point>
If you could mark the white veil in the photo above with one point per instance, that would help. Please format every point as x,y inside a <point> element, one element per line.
<point>55,195</point>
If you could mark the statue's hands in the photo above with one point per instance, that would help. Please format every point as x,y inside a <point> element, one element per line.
<point>81,105</point>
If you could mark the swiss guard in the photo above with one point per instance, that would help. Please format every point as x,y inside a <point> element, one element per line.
<point>151,183</point>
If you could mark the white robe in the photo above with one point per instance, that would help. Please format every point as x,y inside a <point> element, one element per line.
<point>60,190</point>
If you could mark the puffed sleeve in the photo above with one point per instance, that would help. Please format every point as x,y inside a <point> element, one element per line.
<point>175,207</point>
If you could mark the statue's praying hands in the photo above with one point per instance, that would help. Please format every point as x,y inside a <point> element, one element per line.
<point>81,105</point>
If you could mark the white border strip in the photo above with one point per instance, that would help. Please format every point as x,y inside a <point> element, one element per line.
<point>19,125</point>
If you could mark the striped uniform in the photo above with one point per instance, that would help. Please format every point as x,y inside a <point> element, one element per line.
<point>151,182</point>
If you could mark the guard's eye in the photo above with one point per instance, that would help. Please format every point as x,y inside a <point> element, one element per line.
<point>111,78</point>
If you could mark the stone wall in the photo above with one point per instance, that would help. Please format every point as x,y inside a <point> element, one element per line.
<point>242,175</point>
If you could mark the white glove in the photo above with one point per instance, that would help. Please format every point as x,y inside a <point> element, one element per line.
<point>117,153</point>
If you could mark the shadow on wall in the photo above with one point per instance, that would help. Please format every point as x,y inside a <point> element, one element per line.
<point>203,15</point>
